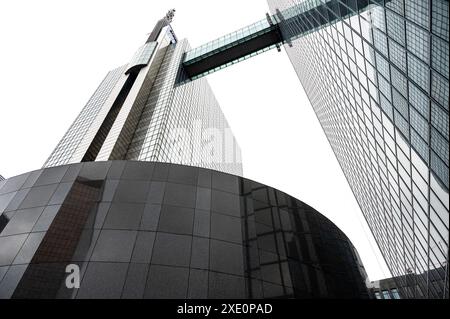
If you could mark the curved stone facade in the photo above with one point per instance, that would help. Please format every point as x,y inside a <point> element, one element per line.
<point>157,230</point>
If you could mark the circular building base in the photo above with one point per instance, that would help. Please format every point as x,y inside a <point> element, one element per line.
<point>126,229</point>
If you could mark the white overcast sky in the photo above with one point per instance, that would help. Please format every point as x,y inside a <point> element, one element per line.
<point>53,55</point>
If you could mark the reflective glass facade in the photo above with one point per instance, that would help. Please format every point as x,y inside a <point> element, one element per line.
<point>156,230</point>
<point>377,78</point>
<point>70,142</point>
<point>178,119</point>
<point>141,112</point>
<point>232,48</point>
<point>399,288</point>
<point>227,40</point>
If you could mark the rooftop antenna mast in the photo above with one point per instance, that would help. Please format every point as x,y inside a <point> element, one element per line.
<point>161,24</point>
<point>169,15</point>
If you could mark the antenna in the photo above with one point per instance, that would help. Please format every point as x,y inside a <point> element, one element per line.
<point>169,15</point>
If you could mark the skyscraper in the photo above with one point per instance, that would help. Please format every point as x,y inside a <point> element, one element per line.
<point>109,206</point>
<point>376,73</point>
<point>140,112</point>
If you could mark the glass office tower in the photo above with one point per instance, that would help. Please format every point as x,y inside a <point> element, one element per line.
<point>141,112</point>
<point>378,80</point>
<point>130,226</point>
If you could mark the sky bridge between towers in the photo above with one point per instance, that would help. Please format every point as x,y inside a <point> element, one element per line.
<point>271,32</point>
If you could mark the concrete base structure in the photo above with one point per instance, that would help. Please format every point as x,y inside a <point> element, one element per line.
<point>127,229</point>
